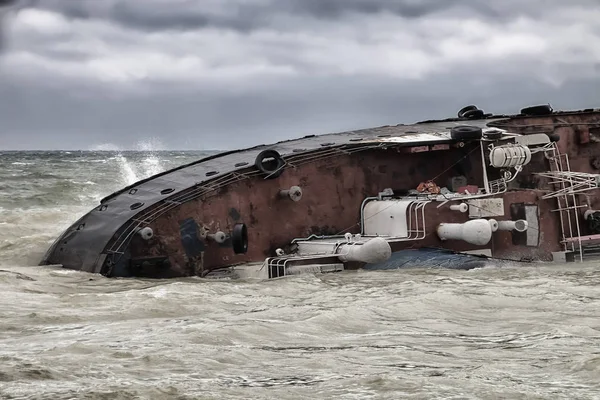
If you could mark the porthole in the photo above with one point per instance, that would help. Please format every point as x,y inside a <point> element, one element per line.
<point>135,206</point>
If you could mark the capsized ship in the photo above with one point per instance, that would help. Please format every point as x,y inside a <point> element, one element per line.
<point>513,187</point>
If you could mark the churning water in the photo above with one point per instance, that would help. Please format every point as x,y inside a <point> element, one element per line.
<point>493,333</point>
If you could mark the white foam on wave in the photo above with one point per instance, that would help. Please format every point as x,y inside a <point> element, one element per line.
<point>28,232</point>
<point>29,226</point>
<point>127,173</point>
<point>152,165</point>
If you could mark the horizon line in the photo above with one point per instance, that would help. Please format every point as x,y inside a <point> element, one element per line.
<point>110,150</point>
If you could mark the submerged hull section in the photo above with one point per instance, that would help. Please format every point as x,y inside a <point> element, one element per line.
<point>489,188</point>
<point>431,258</point>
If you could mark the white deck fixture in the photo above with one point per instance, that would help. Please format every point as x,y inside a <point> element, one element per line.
<point>386,218</point>
<point>493,224</point>
<point>519,225</point>
<point>399,219</point>
<point>510,156</point>
<point>294,193</point>
<point>146,233</point>
<point>587,213</point>
<point>373,251</point>
<point>364,249</point>
<point>477,231</point>
<point>462,207</point>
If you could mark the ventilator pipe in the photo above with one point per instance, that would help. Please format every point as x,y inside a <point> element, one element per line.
<point>146,233</point>
<point>373,251</point>
<point>519,225</point>
<point>477,231</point>
<point>219,237</point>
<point>294,193</point>
<point>462,207</point>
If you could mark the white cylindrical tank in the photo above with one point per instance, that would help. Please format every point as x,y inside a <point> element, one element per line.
<point>477,231</point>
<point>373,251</point>
<point>519,225</point>
<point>510,156</point>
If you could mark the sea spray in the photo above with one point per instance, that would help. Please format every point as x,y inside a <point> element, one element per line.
<point>43,193</point>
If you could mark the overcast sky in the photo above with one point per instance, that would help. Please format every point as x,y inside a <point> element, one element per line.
<point>220,74</point>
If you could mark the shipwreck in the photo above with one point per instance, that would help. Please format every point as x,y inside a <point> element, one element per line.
<point>478,186</point>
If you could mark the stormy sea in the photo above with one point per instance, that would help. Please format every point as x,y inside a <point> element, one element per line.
<point>510,332</point>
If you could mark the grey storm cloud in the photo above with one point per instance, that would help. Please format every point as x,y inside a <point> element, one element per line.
<point>228,73</point>
<point>238,15</point>
<point>246,15</point>
<point>4,4</point>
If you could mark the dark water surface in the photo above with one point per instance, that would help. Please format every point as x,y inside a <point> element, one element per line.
<point>493,333</point>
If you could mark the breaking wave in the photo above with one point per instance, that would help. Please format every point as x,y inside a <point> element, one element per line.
<point>42,193</point>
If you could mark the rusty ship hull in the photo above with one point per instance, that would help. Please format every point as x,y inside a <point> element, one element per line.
<point>513,187</point>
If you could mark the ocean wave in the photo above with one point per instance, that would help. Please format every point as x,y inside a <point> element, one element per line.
<point>48,191</point>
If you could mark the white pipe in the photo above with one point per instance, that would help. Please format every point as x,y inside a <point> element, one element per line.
<point>462,207</point>
<point>587,213</point>
<point>476,231</point>
<point>486,183</point>
<point>294,193</point>
<point>519,225</point>
<point>219,237</point>
<point>493,224</point>
<point>373,251</point>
